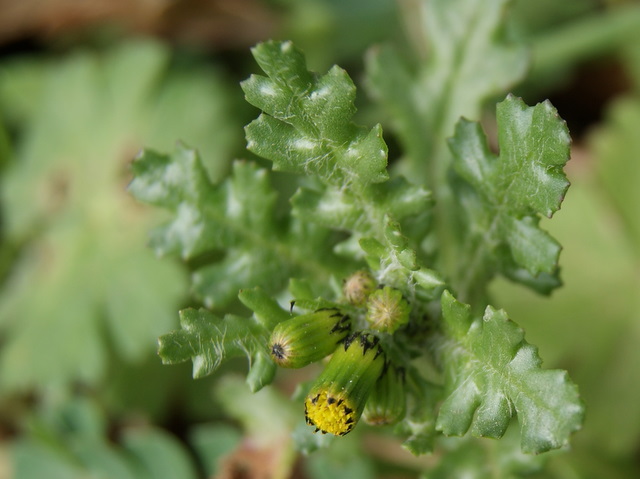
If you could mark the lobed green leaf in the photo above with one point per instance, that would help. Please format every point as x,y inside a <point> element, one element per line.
<point>208,341</point>
<point>318,139</point>
<point>341,209</point>
<point>206,216</point>
<point>509,191</point>
<point>492,373</point>
<point>470,58</point>
<point>233,225</point>
<point>306,126</point>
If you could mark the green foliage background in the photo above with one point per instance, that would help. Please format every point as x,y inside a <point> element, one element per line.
<point>83,299</point>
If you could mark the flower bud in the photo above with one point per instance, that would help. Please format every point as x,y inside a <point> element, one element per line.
<point>358,287</point>
<point>308,338</point>
<point>387,402</point>
<point>387,310</point>
<point>338,396</point>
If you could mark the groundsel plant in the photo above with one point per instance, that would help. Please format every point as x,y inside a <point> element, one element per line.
<point>379,278</point>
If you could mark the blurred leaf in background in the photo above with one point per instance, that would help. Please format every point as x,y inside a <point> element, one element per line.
<point>478,459</point>
<point>72,442</point>
<point>337,31</point>
<point>230,230</point>
<point>616,148</point>
<point>84,283</point>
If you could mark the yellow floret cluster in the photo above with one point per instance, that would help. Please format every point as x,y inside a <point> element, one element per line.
<point>330,414</point>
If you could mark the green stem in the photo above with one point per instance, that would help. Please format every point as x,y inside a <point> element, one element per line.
<point>430,164</point>
<point>473,275</point>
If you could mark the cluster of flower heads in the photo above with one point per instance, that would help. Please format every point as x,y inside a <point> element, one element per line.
<point>358,380</point>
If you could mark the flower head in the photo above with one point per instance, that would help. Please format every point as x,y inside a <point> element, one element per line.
<point>337,398</point>
<point>387,402</point>
<point>387,310</point>
<point>358,287</point>
<point>305,339</point>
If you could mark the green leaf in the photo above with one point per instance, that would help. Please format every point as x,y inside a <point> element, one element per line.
<point>363,204</point>
<point>469,58</point>
<point>208,341</point>
<point>617,146</point>
<point>306,126</point>
<point>364,213</point>
<point>206,217</point>
<point>69,437</point>
<point>601,278</point>
<point>492,373</point>
<point>101,459</point>
<point>340,208</point>
<point>476,459</point>
<point>32,460</point>
<point>78,122</point>
<point>212,442</point>
<point>508,192</point>
<point>157,455</point>
<point>233,223</point>
<point>267,311</point>
<point>71,442</point>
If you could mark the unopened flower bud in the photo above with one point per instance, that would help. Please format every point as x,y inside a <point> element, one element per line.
<point>387,310</point>
<point>338,396</point>
<point>308,338</point>
<point>358,287</point>
<point>387,402</point>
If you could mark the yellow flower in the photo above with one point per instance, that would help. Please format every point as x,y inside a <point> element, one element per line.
<point>337,398</point>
